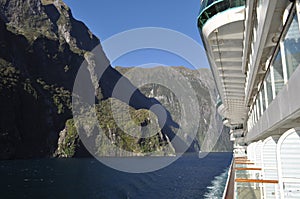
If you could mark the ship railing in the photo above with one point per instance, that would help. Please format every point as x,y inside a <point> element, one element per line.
<point>248,179</point>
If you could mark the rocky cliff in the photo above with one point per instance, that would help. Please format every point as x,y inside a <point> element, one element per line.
<point>211,134</point>
<point>42,49</point>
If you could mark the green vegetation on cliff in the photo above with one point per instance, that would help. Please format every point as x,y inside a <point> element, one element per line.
<point>121,131</point>
<point>68,140</point>
<point>131,130</point>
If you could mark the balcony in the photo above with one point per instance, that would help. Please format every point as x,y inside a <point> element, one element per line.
<point>219,103</point>
<point>209,8</point>
<point>221,108</point>
<point>240,141</point>
<point>221,24</point>
<point>237,133</point>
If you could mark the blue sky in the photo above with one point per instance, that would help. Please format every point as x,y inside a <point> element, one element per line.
<point>106,18</point>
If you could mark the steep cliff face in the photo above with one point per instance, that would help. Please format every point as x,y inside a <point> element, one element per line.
<point>40,53</point>
<point>211,134</point>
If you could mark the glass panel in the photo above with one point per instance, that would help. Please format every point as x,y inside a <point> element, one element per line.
<point>278,73</point>
<point>252,119</point>
<point>259,3</point>
<point>263,98</point>
<point>259,103</point>
<point>255,114</point>
<point>269,88</point>
<point>244,190</point>
<point>258,108</point>
<point>206,3</point>
<point>292,47</point>
<point>211,7</point>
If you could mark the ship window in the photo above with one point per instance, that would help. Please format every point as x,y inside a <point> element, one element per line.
<point>259,4</point>
<point>278,73</point>
<point>258,108</point>
<point>292,47</point>
<point>259,7</point>
<point>252,118</point>
<point>255,17</point>
<point>263,98</point>
<point>260,103</point>
<point>269,88</point>
<point>255,114</point>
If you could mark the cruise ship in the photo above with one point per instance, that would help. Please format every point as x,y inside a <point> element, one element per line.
<point>253,47</point>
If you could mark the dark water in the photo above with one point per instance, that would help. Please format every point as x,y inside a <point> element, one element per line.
<point>189,177</point>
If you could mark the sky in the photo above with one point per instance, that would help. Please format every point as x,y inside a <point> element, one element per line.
<point>108,18</point>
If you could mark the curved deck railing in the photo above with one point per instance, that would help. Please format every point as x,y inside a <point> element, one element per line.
<point>209,8</point>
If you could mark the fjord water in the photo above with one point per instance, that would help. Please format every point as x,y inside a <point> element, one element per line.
<point>189,177</point>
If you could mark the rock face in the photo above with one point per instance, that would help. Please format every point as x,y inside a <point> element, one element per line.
<point>42,48</point>
<point>211,134</point>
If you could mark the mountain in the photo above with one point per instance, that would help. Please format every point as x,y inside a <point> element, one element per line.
<point>211,135</point>
<point>42,49</point>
